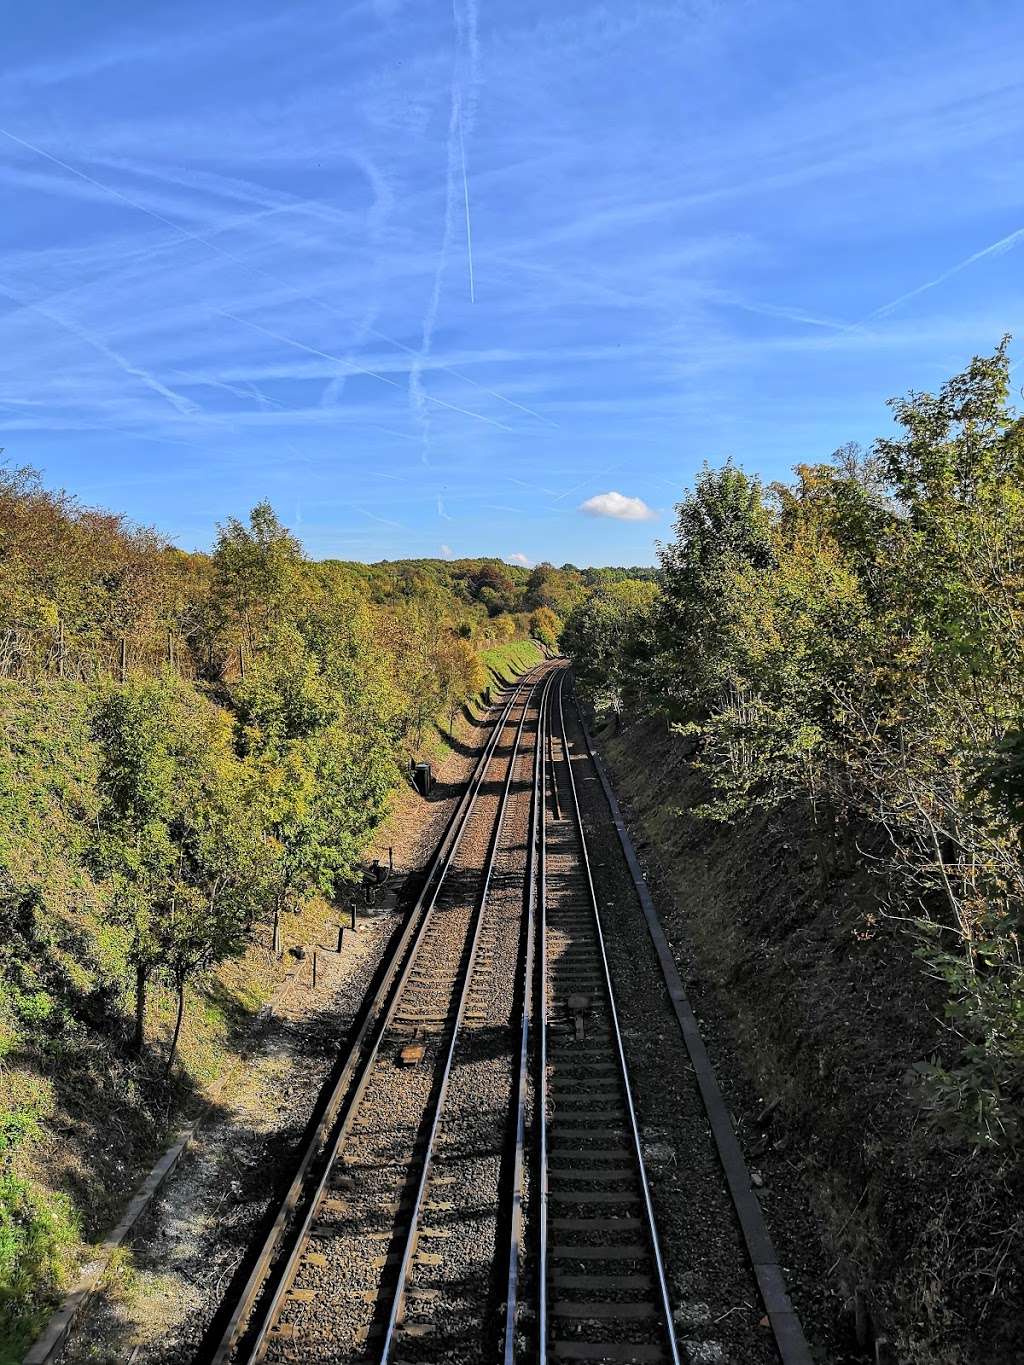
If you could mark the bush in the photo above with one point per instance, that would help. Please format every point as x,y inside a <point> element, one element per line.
<point>37,1236</point>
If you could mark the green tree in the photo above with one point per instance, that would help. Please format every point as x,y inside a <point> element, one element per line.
<point>256,572</point>
<point>461,675</point>
<point>722,525</point>
<point>610,637</point>
<point>545,625</point>
<point>319,780</point>
<point>169,825</point>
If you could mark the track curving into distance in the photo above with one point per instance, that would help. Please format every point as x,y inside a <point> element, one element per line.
<point>378,1261</point>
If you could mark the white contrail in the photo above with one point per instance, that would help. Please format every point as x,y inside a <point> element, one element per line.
<point>248,391</point>
<point>384,521</point>
<point>591,478</point>
<point>381,204</point>
<point>340,360</point>
<point>466,379</point>
<point>124,198</point>
<point>996,249</point>
<point>471,85</point>
<point>417,392</point>
<point>184,406</point>
<point>465,199</point>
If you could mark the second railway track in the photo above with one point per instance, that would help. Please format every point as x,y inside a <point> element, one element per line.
<point>601,1286</point>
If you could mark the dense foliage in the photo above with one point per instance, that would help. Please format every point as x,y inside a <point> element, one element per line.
<point>855,638</point>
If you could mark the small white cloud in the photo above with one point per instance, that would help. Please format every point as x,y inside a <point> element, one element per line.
<point>520,558</point>
<point>619,506</point>
<point>447,552</point>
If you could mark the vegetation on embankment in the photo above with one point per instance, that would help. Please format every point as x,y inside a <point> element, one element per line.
<point>830,679</point>
<point>506,662</point>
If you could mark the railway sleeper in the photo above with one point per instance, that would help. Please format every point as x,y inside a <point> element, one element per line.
<point>587,1088</point>
<point>565,1280</point>
<point>611,1351</point>
<point>596,1311</point>
<point>595,1196</point>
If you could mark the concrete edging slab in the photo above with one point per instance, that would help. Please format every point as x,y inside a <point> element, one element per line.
<point>51,1344</point>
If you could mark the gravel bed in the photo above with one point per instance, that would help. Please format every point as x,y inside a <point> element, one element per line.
<point>718,1312</point>
<point>201,1226</point>
<point>784,1189</point>
<point>453,1300</point>
<point>602,1276</point>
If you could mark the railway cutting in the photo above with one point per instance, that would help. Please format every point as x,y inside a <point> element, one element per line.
<point>477,1190</point>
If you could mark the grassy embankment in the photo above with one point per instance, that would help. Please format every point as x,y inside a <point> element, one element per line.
<point>506,662</point>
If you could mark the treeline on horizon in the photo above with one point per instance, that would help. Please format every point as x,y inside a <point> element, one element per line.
<point>85,592</point>
<point>852,640</point>
<point>193,746</point>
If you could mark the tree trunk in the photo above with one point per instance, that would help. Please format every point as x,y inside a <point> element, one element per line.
<point>177,1027</point>
<point>276,942</point>
<point>825,844</point>
<point>141,982</point>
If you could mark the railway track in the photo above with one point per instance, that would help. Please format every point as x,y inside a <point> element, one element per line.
<point>601,1286</point>
<point>476,1190</point>
<point>393,1249</point>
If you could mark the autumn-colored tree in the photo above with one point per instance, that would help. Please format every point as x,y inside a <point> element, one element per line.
<point>461,676</point>
<point>256,572</point>
<point>545,625</point>
<point>173,837</point>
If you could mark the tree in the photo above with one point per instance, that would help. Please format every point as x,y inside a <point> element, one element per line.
<point>169,819</point>
<point>319,776</point>
<point>492,586</point>
<point>558,589</point>
<point>545,626</point>
<point>722,524</point>
<point>461,676</point>
<point>609,637</point>
<point>256,572</point>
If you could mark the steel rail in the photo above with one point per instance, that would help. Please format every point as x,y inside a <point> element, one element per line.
<point>412,1229</point>
<point>540,1101</point>
<point>385,998</point>
<point>352,1107</point>
<point>523,1073</point>
<point>652,1230</point>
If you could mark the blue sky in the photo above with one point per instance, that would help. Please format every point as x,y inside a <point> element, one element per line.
<point>431,278</point>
